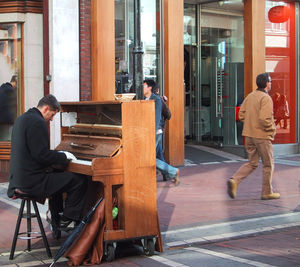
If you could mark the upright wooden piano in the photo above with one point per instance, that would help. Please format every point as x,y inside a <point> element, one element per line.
<point>114,142</point>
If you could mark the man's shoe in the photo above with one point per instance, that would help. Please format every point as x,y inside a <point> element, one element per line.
<point>66,224</point>
<point>54,227</point>
<point>175,179</point>
<point>165,177</point>
<point>231,188</point>
<point>270,196</point>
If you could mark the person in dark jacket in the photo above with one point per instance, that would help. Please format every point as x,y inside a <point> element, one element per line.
<point>31,161</point>
<point>165,115</point>
<point>166,169</point>
<point>8,107</point>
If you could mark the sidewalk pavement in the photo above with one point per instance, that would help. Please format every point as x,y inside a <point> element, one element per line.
<point>202,196</point>
<point>199,201</point>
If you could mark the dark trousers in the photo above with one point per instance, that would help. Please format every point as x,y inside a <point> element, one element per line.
<point>75,187</point>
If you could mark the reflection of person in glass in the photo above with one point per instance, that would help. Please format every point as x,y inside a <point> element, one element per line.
<point>282,111</point>
<point>188,33</point>
<point>275,98</point>
<point>8,107</point>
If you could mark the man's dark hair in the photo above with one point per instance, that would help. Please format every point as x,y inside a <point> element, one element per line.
<point>262,80</point>
<point>150,83</point>
<point>51,101</point>
<point>14,78</point>
<point>155,89</point>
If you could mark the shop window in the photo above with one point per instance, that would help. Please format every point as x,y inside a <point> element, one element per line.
<point>124,42</point>
<point>10,77</point>
<point>280,63</point>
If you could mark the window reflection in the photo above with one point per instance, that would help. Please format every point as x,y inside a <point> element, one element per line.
<point>189,20</point>
<point>10,66</point>
<point>280,63</point>
<point>124,41</point>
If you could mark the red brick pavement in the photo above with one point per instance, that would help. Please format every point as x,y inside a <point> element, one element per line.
<point>281,248</point>
<point>3,177</point>
<point>8,221</point>
<point>201,198</point>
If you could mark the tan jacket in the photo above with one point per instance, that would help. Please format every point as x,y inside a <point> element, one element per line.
<point>257,114</point>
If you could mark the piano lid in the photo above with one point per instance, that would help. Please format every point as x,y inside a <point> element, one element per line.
<point>90,113</point>
<point>90,147</point>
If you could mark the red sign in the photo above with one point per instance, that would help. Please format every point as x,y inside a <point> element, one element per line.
<point>279,14</point>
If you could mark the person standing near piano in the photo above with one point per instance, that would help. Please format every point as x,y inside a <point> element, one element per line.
<point>31,164</point>
<point>161,165</point>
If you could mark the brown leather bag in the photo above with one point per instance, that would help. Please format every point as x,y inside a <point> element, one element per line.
<point>88,248</point>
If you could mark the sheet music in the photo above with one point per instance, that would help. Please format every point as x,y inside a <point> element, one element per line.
<point>68,119</point>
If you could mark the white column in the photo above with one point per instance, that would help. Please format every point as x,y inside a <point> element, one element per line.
<point>33,60</point>
<point>64,56</point>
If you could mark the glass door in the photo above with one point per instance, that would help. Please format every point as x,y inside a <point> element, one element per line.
<point>190,69</point>
<point>222,89</point>
<point>214,72</point>
<point>222,72</point>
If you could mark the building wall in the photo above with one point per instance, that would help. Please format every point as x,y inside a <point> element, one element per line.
<point>64,56</point>
<point>33,60</point>
<point>85,50</point>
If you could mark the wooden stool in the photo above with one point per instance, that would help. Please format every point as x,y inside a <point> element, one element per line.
<point>28,215</point>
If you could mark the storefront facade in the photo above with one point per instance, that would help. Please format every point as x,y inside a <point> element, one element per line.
<point>204,54</point>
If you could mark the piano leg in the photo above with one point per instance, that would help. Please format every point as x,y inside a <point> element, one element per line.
<point>108,205</point>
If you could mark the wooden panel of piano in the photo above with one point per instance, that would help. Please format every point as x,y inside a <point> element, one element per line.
<point>115,144</point>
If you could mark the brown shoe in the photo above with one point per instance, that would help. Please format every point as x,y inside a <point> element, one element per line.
<point>175,179</point>
<point>231,188</point>
<point>270,196</point>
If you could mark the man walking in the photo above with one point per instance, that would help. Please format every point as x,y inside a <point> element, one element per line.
<point>161,165</point>
<point>259,130</point>
<point>165,115</point>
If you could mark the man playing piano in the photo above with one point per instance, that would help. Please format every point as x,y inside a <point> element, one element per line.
<point>31,164</point>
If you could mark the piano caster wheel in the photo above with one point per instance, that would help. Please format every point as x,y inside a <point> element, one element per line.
<point>110,253</point>
<point>149,247</point>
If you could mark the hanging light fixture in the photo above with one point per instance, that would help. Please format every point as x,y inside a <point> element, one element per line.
<point>221,3</point>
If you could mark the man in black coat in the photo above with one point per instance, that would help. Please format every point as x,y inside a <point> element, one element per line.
<point>31,159</point>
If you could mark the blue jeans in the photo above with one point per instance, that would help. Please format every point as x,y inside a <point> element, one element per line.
<point>161,165</point>
<point>165,168</point>
<point>159,149</point>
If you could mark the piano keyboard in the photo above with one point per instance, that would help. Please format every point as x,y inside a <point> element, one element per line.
<point>81,161</point>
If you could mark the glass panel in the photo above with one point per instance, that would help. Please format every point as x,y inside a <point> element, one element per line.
<point>189,20</point>
<point>10,77</point>
<point>222,72</point>
<point>150,36</point>
<point>280,63</point>
<point>190,70</point>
